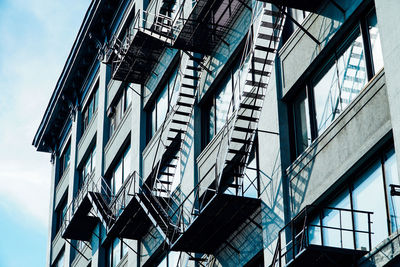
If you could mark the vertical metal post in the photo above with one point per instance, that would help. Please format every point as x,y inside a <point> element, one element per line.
<point>369,231</point>
<point>341,231</point>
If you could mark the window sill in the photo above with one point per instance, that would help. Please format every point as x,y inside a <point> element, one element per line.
<point>336,126</point>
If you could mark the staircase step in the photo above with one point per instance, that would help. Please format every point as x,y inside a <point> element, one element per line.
<point>249,106</point>
<point>167,173</point>
<point>268,37</point>
<point>247,118</point>
<point>184,104</point>
<point>164,182</point>
<point>260,72</point>
<point>262,60</point>
<point>241,141</point>
<point>189,86</point>
<point>182,113</point>
<point>177,130</point>
<point>272,13</point>
<point>243,129</point>
<point>186,95</point>
<point>256,84</point>
<point>235,151</point>
<point>193,68</point>
<point>253,95</point>
<point>265,49</point>
<point>186,76</point>
<point>180,122</point>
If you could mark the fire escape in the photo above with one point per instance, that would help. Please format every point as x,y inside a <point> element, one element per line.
<point>89,207</point>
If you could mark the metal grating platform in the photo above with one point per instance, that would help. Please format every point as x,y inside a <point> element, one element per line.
<point>217,221</point>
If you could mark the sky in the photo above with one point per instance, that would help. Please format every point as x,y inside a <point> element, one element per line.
<point>36,37</point>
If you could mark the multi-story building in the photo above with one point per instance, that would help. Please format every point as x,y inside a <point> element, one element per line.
<point>227,133</point>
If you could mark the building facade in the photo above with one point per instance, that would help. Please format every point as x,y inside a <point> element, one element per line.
<point>227,133</point>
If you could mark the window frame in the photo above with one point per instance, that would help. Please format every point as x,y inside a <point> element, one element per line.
<point>123,102</point>
<point>359,26</point>
<point>91,104</point>
<point>60,212</point>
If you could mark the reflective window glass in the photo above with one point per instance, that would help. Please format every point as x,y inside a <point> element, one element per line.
<point>392,177</point>
<point>302,123</point>
<point>375,41</point>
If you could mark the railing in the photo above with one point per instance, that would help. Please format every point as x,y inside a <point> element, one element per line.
<point>98,185</point>
<point>328,227</point>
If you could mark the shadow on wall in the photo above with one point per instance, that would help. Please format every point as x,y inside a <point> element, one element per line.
<point>243,244</point>
<point>299,178</point>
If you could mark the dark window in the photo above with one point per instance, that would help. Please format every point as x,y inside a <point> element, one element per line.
<point>163,103</point>
<point>119,109</point>
<point>328,92</point>
<point>88,167</point>
<point>115,252</point>
<point>90,108</point>
<point>121,171</point>
<point>65,158</point>
<point>221,105</point>
<point>61,211</point>
<point>369,191</point>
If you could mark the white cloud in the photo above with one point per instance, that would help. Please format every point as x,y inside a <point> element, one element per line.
<point>36,39</point>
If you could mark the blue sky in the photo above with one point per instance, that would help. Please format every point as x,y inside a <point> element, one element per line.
<point>36,37</point>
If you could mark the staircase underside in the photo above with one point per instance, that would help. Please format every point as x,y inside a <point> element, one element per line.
<point>199,33</point>
<point>315,255</point>
<point>218,220</point>
<point>81,225</point>
<point>132,222</point>
<point>142,55</point>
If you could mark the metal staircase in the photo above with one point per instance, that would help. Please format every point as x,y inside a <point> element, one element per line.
<point>251,98</point>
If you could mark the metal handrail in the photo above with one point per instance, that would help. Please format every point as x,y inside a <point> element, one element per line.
<point>298,242</point>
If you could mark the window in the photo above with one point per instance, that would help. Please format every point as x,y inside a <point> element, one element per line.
<point>220,105</point>
<point>327,93</point>
<point>119,109</point>
<point>61,211</point>
<point>121,172</point>
<point>90,108</point>
<point>163,103</point>
<point>59,262</point>
<point>115,252</point>
<point>369,191</point>
<point>88,167</point>
<point>65,157</point>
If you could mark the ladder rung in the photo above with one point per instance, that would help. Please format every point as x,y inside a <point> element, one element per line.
<point>170,165</point>
<point>272,13</point>
<point>248,106</point>
<point>235,162</point>
<point>246,118</point>
<point>164,182</point>
<point>262,60</point>
<point>177,130</point>
<point>193,68</point>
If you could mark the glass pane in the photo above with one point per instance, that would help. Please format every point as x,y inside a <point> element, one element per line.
<point>153,119</point>
<point>127,164</point>
<point>117,178</point>
<point>392,178</point>
<point>352,72</point>
<point>116,252</point>
<point>314,232</point>
<point>128,98</point>
<point>174,83</point>
<point>368,195</point>
<point>223,100</point>
<point>302,123</point>
<point>162,107</point>
<point>326,93</point>
<point>211,129</point>
<point>375,40</point>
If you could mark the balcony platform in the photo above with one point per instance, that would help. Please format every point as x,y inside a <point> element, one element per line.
<point>142,54</point>
<point>81,224</point>
<point>315,255</point>
<point>200,33</point>
<point>132,221</point>
<point>216,222</point>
